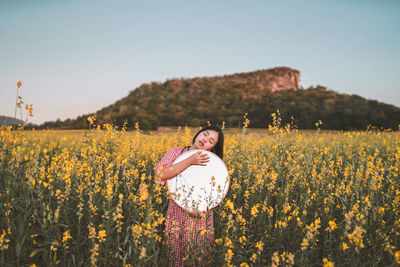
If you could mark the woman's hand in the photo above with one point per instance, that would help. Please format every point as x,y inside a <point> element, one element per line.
<point>173,170</point>
<point>199,214</point>
<point>199,158</point>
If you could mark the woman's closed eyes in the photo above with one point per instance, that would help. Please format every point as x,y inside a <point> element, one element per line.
<point>212,141</point>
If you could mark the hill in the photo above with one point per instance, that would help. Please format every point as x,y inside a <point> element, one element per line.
<point>226,98</point>
<point>4,120</point>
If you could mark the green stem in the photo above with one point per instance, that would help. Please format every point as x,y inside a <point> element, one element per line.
<point>16,104</point>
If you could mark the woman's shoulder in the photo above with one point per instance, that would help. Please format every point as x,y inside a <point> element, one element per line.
<point>175,150</point>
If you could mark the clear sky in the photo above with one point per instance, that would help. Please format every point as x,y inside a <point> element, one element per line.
<point>77,56</point>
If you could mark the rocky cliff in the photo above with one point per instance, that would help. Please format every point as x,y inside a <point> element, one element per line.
<point>276,79</point>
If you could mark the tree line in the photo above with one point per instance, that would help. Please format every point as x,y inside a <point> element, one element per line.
<point>195,103</point>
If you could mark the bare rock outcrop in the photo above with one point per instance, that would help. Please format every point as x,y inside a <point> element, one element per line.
<point>276,79</point>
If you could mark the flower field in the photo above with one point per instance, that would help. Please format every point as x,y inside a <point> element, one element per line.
<point>296,198</point>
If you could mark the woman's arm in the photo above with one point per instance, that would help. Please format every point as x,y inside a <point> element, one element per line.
<point>173,170</point>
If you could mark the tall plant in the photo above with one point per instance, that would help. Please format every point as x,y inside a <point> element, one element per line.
<point>18,105</point>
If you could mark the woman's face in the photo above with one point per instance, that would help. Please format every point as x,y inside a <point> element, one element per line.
<point>206,140</point>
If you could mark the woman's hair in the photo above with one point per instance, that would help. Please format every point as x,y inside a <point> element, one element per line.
<point>218,148</point>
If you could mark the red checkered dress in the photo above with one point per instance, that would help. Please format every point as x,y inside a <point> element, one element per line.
<point>188,237</point>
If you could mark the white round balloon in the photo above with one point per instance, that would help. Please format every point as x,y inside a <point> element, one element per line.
<point>200,188</point>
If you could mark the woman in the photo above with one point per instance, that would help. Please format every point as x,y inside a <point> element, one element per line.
<point>183,229</point>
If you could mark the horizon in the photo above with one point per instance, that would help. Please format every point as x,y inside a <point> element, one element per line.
<point>190,78</point>
<point>75,58</point>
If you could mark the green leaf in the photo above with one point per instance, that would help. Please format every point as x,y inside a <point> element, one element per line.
<point>33,253</point>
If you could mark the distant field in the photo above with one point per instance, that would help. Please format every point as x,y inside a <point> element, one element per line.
<point>307,198</point>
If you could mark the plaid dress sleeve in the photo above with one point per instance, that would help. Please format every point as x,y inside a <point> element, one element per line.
<point>167,160</point>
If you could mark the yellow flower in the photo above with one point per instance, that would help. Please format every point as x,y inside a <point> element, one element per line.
<point>332,226</point>
<point>4,241</point>
<point>144,194</point>
<point>327,263</point>
<point>344,246</point>
<point>218,241</point>
<point>91,119</point>
<point>102,235</point>
<point>304,244</point>
<point>136,231</point>
<point>58,191</point>
<point>260,245</point>
<point>275,259</point>
<point>397,256</point>
<point>229,255</point>
<point>286,208</point>
<point>254,210</point>
<point>203,231</point>
<point>356,236</point>
<point>228,242</point>
<point>229,204</point>
<point>66,236</point>
<point>381,210</point>
<point>253,257</point>
<point>19,83</point>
